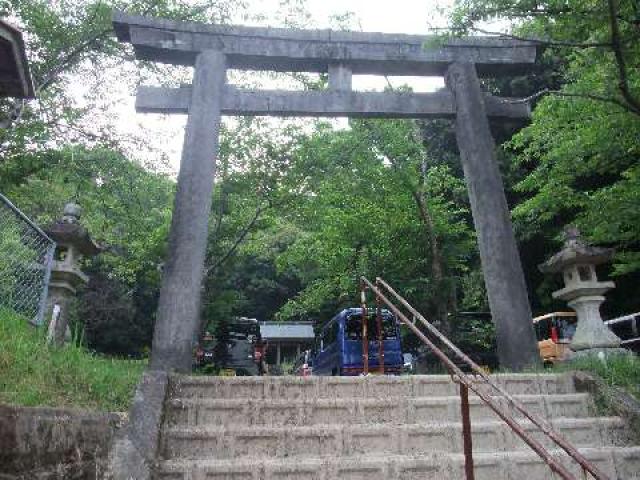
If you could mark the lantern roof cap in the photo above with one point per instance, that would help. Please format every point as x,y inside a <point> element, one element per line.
<point>69,231</point>
<point>576,251</point>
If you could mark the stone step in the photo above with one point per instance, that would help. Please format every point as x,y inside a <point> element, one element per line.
<point>410,410</point>
<point>354,440</point>
<point>616,462</point>
<point>372,386</point>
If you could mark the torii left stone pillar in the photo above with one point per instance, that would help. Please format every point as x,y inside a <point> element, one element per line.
<point>179,308</point>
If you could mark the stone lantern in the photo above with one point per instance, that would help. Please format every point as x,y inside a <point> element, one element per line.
<point>584,293</point>
<point>72,244</point>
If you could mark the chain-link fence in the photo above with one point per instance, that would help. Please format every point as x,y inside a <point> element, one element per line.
<point>26,254</point>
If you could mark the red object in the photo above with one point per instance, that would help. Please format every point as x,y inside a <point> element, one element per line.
<point>259,352</point>
<point>554,334</point>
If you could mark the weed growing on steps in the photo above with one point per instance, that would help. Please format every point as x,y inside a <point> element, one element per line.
<point>34,373</point>
<point>615,387</point>
<point>622,371</point>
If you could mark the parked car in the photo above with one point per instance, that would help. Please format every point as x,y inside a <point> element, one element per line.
<point>627,328</point>
<point>339,344</point>
<point>241,352</point>
<point>204,354</point>
<point>244,334</point>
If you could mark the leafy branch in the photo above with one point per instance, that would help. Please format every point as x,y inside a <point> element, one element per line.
<point>213,268</point>
<point>587,96</point>
<point>616,41</point>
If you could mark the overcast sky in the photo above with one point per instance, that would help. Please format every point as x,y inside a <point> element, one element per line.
<point>389,16</point>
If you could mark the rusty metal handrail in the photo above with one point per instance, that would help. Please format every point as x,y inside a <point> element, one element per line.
<point>469,383</point>
<point>539,422</point>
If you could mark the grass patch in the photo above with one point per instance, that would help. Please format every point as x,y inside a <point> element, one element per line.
<point>622,371</point>
<point>34,373</point>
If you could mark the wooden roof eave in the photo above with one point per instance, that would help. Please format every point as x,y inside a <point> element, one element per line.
<point>23,75</point>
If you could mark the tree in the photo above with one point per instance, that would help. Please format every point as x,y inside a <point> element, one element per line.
<point>71,48</point>
<point>599,38</point>
<point>369,203</point>
<point>245,237</point>
<point>422,169</point>
<point>577,160</point>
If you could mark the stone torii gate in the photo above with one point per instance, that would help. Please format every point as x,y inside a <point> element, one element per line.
<point>213,49</point>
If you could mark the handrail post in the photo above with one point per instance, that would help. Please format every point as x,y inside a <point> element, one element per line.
<point>380,334</point>
<point>466,432</point>
<point>365,334</point>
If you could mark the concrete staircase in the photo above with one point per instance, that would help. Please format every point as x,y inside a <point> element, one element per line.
<point>374,428</point>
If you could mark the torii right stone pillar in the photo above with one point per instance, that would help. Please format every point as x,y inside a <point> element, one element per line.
<point>503,275</point>
<point>179,306</point>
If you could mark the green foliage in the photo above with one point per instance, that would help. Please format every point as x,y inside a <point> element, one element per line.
<point>583,161</point>
<point>356,211</point>
<point>613,217</point>
<point>315,210</point>
<point>474,292</point>
<point>33,373</point>
<point>583,154</point>
<point>579,155</point>
<point>246,230</point>
<point>476,334</point>
<point>576,163</point>
<point>127,209</point>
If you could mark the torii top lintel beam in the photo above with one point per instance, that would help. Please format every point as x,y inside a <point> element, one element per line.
<point>279,49</point>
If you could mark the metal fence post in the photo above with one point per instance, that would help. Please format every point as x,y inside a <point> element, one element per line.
<point>26,256</point>
<point>45,287</point>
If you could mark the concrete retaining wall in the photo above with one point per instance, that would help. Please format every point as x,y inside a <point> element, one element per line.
<point>50,443</point>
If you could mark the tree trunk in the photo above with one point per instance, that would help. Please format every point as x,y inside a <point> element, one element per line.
<point>441,297</point>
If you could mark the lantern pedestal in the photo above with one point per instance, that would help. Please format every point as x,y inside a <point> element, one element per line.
<point>592,335</point>
<point>63,287</point>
